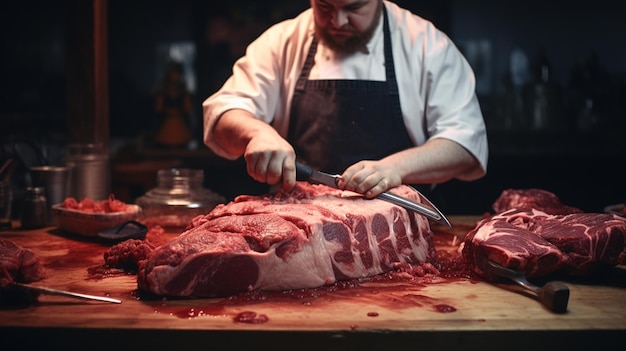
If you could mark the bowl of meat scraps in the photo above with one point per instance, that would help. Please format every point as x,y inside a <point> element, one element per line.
<point>89,217</point>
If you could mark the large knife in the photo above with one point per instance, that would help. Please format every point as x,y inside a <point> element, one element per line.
<point>306,173</point>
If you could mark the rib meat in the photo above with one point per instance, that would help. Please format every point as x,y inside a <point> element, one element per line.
<point>309,237</point>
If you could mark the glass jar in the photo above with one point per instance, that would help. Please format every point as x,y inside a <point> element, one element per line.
<point>6,201</point>
<point>34,209</point>
<point>178,198</point>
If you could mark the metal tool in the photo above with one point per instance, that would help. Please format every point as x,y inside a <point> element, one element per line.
<point>125,231</point>
<point>554,295</point>
<point>306,173</point>
<point>49,291</point>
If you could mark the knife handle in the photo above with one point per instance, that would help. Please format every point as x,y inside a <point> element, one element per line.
<point>303,172</point>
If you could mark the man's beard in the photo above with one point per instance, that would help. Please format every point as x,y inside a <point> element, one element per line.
<point>352,44</point>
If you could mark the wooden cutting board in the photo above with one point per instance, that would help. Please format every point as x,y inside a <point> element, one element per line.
<point>420,306</point>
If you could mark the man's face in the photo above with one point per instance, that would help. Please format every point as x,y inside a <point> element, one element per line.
<point>346,26</point>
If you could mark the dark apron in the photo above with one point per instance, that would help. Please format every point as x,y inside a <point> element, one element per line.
<point>336,123</point>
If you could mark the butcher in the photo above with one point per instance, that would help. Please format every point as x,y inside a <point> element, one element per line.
<point>362,88</point>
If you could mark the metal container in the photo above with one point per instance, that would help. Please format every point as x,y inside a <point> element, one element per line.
<point>55,180</point>
<point>90,171</point>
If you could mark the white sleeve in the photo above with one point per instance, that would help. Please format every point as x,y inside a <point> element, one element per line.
<point>452,110</point>
<point>254,86</point>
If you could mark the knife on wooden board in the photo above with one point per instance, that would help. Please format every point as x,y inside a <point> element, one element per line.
<point>306,173</point>
<point>50,291</point>
<point>554,295</point>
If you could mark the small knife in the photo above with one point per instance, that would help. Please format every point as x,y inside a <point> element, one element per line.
<point>49,291</point>
<point>306,173</point>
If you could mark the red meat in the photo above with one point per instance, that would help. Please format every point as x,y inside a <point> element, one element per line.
<point>312,236</point>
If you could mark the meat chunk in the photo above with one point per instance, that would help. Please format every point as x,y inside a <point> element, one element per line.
<point>506,239</point>
<point>128,254</point>
<point>529,199</point>
<point>312,236</point>
<point>18,264</point>
<point>538,244</point>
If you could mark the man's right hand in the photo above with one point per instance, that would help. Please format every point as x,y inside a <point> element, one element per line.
<point>271,159</point>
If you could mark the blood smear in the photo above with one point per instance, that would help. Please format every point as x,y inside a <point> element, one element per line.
<point>444,308</point>
<point>250,317</point>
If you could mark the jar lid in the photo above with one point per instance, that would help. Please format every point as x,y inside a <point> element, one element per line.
<point>35,190</point>
<point>180,187</point>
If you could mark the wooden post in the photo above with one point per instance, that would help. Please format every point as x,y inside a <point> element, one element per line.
<point>88,98</point>
<point>87,72</point>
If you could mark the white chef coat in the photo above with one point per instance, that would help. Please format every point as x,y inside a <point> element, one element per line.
<point>435,82</point>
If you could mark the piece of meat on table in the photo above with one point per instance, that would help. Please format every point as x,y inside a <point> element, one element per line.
<point>309,237</point>
<point>128,254</point>
<point>539,241</point>
<point>529,199</point>
<point>507,241</point>
<point>18,264</point>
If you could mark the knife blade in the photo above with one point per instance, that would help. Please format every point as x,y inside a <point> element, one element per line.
<point>50,291</point>
<point>306,173</point>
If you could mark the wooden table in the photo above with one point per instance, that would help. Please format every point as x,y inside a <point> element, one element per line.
<point>461,313</point>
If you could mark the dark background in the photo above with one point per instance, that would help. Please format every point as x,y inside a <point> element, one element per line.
<point>577,153</point>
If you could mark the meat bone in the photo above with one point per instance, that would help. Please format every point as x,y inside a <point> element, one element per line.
<point>554,295</point>
<point>304,172</point>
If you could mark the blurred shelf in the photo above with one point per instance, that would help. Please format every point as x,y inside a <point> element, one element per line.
<point>556,143</point>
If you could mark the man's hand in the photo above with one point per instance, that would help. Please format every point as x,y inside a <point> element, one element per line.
<point>271,159</point>
<point>436,161</point>
<point>369,178</point>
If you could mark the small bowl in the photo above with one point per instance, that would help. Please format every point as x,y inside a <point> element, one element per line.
<point>90,224</point>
